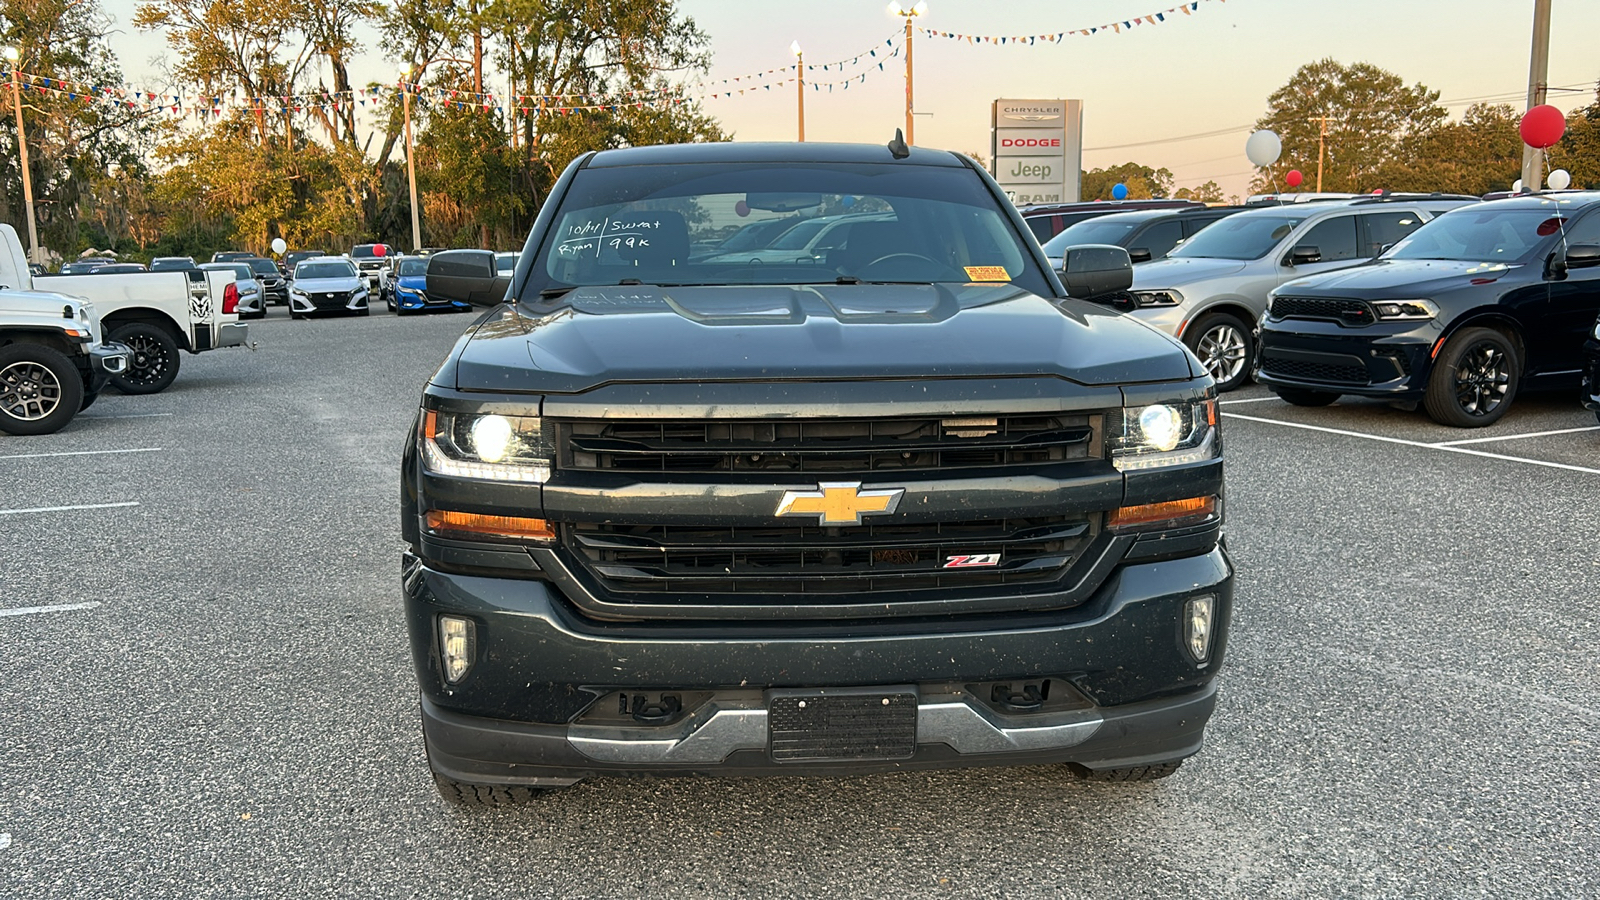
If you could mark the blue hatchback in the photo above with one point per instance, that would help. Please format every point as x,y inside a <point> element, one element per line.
<point>410,294</point>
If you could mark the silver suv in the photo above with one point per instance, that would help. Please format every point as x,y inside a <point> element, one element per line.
<point>1211,291</point>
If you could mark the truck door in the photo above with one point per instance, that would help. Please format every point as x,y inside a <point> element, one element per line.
<point>1571,308</point>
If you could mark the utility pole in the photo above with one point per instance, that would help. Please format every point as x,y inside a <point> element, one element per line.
<point>1322,149</point>
<point>22,148</point>
<point>800,69</point>
<point>411,172</point>
<point>1538,83</point>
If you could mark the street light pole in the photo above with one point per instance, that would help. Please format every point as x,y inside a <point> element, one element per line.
<point>1538,84</point>
<point>411,172</point>
<point>13,57</point>
<point>921,9</point>
<point>800,69</point>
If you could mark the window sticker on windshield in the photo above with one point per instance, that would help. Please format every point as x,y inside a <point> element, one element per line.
<point>987,273</point>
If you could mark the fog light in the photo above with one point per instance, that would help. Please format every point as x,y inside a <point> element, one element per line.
<point>1197,616</point>
<point>457,640</point>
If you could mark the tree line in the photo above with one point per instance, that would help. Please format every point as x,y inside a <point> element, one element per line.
<point>145,183</point>
<point>1381,134</point>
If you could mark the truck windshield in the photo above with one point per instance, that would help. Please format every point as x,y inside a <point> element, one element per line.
<point>1481,234</point>
<point>263,266</point>
<point>1241,236</point>
<point>365,251</point>
<point>842,223</point>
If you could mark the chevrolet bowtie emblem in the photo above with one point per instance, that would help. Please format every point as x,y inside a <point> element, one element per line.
<point>840,502</point>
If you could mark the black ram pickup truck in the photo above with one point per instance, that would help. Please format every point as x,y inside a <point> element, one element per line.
<point>897,501</point>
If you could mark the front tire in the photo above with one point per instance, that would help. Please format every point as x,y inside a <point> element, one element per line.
<point>460,793</point>
<point>155,358</point>
<point>1132,773</point>
<point>1306,398</point>
<point>40,389</point>
<point>1474,379</point>
<point>1224,346</point>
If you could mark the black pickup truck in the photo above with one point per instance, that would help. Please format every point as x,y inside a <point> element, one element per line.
<point>898,501</point>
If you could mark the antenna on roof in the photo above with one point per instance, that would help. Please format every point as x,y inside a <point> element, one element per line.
<point>897,147</point>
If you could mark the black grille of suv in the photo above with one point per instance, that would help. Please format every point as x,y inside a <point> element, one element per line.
<point>1348,312</point>
<point>836,445</point>
<point>1314,371</point>
<point>801,559</point>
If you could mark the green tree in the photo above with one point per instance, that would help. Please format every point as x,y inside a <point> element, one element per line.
<point>1143,182</point>
<point>75,133</point>
<point>1210,192</point>
<point>1479,154</point>
<point>1579,150</point>
<point>1372,117</point>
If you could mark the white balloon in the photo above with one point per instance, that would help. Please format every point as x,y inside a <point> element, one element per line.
<point>1263,148</point>
<point>1559,179</point>
<point>278,246</point>
<point>1516,186</point>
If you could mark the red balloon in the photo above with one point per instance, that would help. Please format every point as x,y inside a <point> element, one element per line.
<point>379,250</point>
<point>1542,126</point>
<point>741,209</point>
<point>1294,178</point>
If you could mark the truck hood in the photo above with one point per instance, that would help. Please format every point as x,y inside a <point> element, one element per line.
<point>1408,276</point>
<point>330,285</point>
<point>598,335</point>
<point>1175,273</point>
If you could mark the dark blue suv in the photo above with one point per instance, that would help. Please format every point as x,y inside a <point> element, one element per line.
<point>1463,313</point>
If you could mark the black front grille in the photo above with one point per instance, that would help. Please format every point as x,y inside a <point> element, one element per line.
<point>898,559</point>
<point>330,301</point>
<point>830,445</point>
<point>1348,312</point>
<point>1313,371</point>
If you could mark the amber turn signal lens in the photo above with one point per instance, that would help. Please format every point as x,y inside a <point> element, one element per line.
<point>1167,511</point>
<point>515,527</point>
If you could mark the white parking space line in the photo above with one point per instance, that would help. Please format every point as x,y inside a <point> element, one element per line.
<point>1516,437</point>
<point>47,509</point>
<point>60,607</point>
<point>1249,400</point>
<point>81,452</point>
<point>1440,447</point>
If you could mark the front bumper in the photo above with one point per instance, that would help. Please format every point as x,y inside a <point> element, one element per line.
<point>1386,360</point>
<point>525,711</point>
<point>412,300</point>
<point>304,304</point>
<point>106,360</point>
<point>1169,319</point>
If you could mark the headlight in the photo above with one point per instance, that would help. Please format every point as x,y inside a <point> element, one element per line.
<point>1597,329</point>
<point>488,447</point>
<point>1166,434</point>
<point>1405,309</point>
<point>296,292</point>
<point>1157,298</point>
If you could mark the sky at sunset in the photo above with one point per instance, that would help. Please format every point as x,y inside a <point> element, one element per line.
<point>1204,74</point>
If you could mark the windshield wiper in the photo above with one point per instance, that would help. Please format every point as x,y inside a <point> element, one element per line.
<point>552,293</point>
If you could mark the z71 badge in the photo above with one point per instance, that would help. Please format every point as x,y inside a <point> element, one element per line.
<point>973,561</point>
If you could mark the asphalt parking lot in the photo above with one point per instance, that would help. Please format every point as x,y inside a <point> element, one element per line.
<point>208,687</point>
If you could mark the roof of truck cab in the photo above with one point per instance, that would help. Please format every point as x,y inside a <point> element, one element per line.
<point>758,152</point>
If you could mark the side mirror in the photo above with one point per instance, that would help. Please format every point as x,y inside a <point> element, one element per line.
<point>1139,254</point>
<point>466,276</point>
<point>1303,254</point>
<point>1094,270</point>
<point>1583,256</point>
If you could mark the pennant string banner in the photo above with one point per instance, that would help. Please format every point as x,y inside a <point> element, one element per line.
<point>1029,40</point>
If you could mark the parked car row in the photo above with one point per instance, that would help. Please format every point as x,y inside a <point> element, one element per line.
<point>1449,302</point>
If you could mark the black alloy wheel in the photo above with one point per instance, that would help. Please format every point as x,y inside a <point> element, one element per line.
<point>155,358</point>
<point>40,389</point>
<point>1474,379</point>
<point>1225,348</point>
